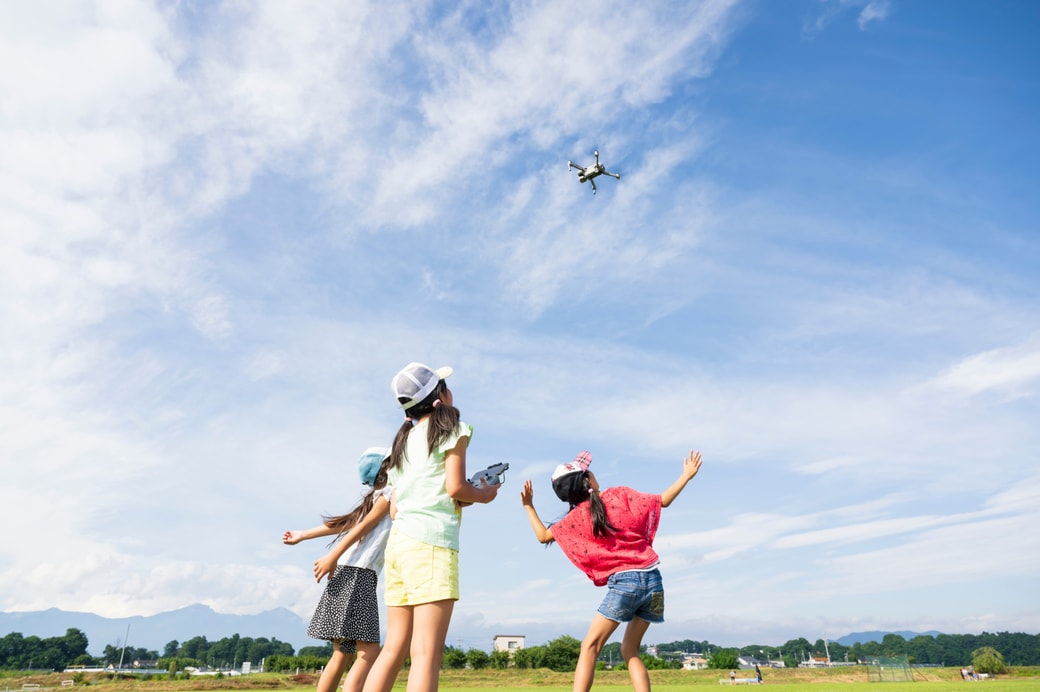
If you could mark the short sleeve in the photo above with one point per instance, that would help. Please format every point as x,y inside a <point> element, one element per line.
<point>463,430</point>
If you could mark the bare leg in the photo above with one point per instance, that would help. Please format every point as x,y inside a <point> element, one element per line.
<point>334,669</point>
<point>630,646</point>
<point>366,658</point>
<point>388,664</point>
<point>431,622</point>
<point>595,639</point>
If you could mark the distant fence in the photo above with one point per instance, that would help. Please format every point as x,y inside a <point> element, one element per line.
<point>890,669</point>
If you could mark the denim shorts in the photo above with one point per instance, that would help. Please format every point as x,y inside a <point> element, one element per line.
<point>634,594</point>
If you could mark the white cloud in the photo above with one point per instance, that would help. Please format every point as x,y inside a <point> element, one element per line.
<point>825,12</point>
<point>875,11</point>
<point>223,231</point>
<point>557,72</point>
<point>1012,371</point>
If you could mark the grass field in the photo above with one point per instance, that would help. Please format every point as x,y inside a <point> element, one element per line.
<point>793,680</point>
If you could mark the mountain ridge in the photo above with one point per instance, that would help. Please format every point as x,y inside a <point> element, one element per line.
<point>878,635</point>
<point>153,632</point>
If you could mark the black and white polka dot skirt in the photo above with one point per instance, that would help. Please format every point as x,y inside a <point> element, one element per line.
<point>348,609</point>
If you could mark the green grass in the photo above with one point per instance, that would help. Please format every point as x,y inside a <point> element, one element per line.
<point>794,680</point>
<point>1023,685</point>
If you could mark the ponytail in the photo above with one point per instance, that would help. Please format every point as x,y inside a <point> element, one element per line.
<point>444,420</point>
<point>344,522</point>
<point>582,491</point>
<point>601,525</point>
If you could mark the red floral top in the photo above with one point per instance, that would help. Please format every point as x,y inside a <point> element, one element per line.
<point>636,516</point>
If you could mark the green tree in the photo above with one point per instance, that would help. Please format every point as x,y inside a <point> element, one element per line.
<point>170,650</point>
<point>453,658</point>
<point>531,657</point>
<point>73,644</point>
<point>893,644</point>
<point>796,651</point>
<point>477,659</point>
<point>280,663</point>
<point>657,663</point>
<point>12,651</point>
<point>988,660</point>
<point>319,651</point>
<point>562,654</point>
<point>722,659</point>
<point>500,660</point>
<point>197,648</point>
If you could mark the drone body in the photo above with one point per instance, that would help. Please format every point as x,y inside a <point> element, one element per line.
<point>590,172</point>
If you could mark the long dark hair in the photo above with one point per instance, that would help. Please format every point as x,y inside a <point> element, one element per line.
<point>582,491</point>
<point>444,420</point>
<point>344,522</point>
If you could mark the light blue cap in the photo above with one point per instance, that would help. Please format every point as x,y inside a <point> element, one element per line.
<point>369,463</point>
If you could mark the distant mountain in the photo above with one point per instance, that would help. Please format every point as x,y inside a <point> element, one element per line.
<point>877,636</point>
<point>153,632</point>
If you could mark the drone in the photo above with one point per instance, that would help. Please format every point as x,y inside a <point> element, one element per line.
<point>590,172</point>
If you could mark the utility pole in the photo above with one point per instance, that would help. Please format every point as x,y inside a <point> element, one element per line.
<point>123,652</point>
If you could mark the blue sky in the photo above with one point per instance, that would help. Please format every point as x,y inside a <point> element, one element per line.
<point>224,228</point>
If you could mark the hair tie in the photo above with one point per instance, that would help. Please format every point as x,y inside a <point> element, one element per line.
<point>436,403</point>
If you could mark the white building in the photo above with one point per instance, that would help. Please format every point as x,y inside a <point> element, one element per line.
<point>508,642</point>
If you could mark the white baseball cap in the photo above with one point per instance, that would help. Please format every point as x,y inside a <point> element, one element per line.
<point>415,381</point>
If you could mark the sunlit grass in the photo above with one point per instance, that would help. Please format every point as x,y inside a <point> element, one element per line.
<point>794,680</point>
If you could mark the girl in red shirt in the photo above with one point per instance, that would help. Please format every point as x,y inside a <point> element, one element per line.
<point>609,536</point>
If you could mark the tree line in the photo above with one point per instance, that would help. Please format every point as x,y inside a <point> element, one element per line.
<point>1017,649</point>
<point>56,653</point>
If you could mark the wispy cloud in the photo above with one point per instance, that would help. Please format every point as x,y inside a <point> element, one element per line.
<point>1012,371</point>
<point>875,11</point>
<point>826,11</point>
<point>224,227</point>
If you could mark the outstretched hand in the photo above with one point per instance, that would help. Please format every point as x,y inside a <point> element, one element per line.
<point>691,465</point>
<point>527,495</point>
<point>292,537</point>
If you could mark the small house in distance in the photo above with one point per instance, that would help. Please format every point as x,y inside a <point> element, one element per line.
<point>694,662</point>
<point>508,642</point>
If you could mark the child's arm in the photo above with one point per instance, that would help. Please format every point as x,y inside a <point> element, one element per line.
<point>460,489</point>
<point>294,537</point>
<point>327,563</point>
<point>541,531</point>
<point>691,465</point>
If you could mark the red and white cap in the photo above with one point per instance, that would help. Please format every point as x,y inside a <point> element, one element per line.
<point>567,480</point>
<point>580,463</point>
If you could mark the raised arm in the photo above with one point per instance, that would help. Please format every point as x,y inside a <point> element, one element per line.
<point>691,465</point>
<point>326,564</point>
<point>294,537</point>
<point>541,531</point>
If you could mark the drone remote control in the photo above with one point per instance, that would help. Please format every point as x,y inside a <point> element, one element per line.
<point>493,475</point>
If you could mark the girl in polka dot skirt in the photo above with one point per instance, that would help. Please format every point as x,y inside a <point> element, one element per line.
<point>348,612</point>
